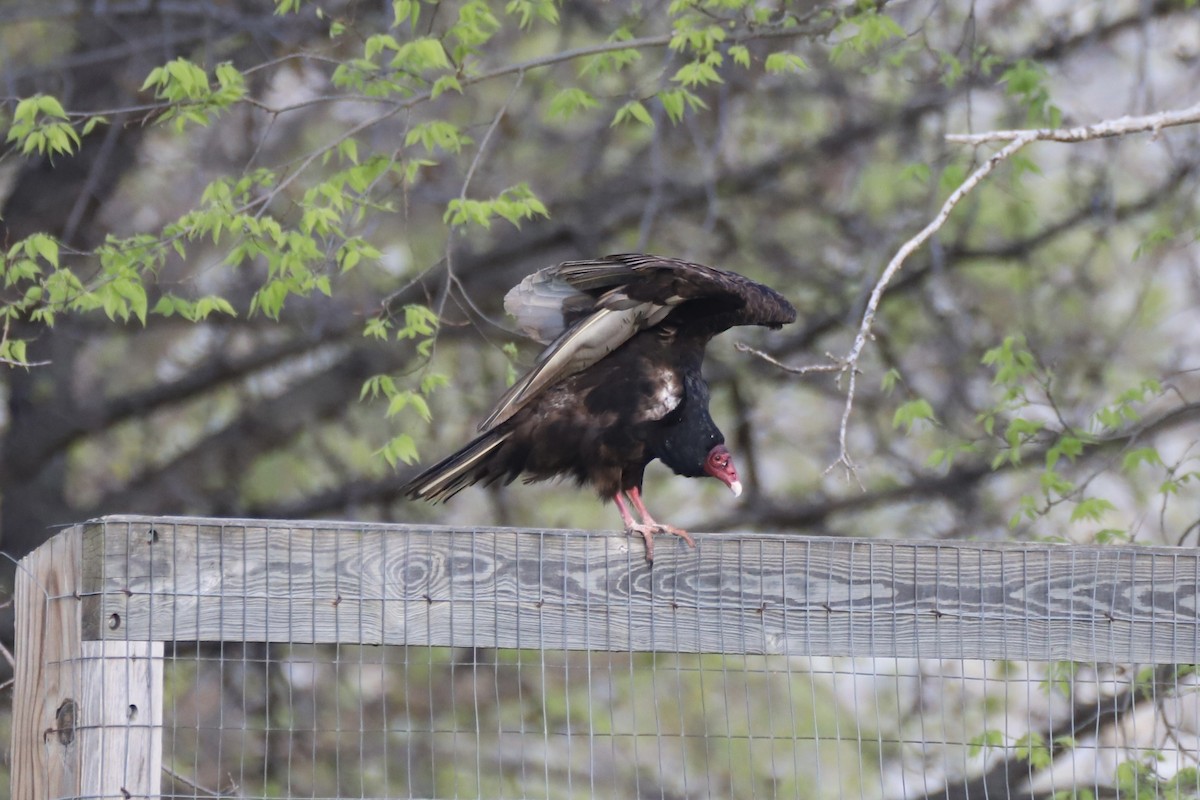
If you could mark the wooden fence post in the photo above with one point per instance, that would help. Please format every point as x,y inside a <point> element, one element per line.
<point>87,716</point>
<point>45,749</point>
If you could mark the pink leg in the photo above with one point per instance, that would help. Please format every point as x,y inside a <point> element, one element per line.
<point>648,526</point>
<point>626,517</point>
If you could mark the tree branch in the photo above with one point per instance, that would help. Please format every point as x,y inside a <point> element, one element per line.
<point>1016,139</point>
<point>850,363</point>
<point>1121,126</point>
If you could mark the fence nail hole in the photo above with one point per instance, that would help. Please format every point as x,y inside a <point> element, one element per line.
<point>114,621</point>
<point>132,712</point>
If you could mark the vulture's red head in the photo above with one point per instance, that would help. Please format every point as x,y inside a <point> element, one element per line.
<point>719,464</point>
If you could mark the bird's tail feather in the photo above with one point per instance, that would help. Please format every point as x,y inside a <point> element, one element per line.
<point>459,470</point>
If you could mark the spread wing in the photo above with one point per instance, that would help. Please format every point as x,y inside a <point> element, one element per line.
<point>584,310</point>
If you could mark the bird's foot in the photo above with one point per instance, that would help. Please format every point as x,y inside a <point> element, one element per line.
<point>647,531</point>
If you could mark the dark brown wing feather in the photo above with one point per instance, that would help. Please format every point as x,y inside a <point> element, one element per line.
<point>590,308</point>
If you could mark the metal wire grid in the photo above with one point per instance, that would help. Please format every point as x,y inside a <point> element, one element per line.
<point>299,720</point>
<point>330,721</point>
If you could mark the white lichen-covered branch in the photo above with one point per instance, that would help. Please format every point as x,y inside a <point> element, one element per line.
<point>1121,126</point>
<point>1016,139</point>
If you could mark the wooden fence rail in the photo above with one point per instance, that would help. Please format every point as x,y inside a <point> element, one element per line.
<point>111,591</point>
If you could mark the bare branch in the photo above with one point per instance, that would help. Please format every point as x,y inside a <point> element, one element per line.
<point>1016,140</point>
<point>850,364</point>
<point>26,364</point>
<point>188,782</point>
<point>1100,130</point>
<point>837,366</point>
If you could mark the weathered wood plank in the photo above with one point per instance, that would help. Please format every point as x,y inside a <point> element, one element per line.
<point>46,681</point>
<point>122,704</point>
<point>194,579</point>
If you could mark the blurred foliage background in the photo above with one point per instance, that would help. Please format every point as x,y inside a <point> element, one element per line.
<point>253,255</point>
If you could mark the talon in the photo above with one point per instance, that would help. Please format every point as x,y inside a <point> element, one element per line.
<point>680,532</point>
<point>646,532</point>
<point>648,527</point>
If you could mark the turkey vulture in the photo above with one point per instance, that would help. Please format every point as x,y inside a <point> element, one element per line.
<point>618,385</point>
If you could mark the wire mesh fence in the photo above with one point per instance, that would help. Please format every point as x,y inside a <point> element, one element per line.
<point>256,659</point>
<point>436,722</point>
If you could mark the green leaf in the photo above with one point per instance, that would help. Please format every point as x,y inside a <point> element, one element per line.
<point>952,69</point>
<point>400,448</point>
<point>634,110</point>
<point>1091,509</point>
<point>952,177</point>
<point>947,455</point>
<point>1053,483</point>
<point>437,135</point>
<point>514,204</point>
<point>740,55</point>
<point>783,62</point>
<point>871,30</point>
<point>432,382</point>
<point>1012,361</point>
<point>348,149</point>
<point>1020,431</point>
<point>1069,446</point>
<point>376,44</point>
<point>676,101</point>
<point>1142,455</point>
<point>44,246</point>
<point>673,104</point>
<point>39,126</point>
<point>463,211</point>
<point>420,406</point>
<point>92,122</point>
<point>377,328</point>
<point>1112,535</point>
<point>445,84</point>
<point>613,61</point>
<point>1154,240</point>
<point>1032,747</point>
<point>14,350</point>
<point>419,320</point>
<point>568,102</point>
<point>527,10</point>
<point>420,55</point>
<point>406,11</point>
<point>49,105</point>
<point>476,24</point>
<point>213,303</point>
<point>986,740</point>
<point>1028,81</point>
<point>701,72</point>
<point>911,412</point>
